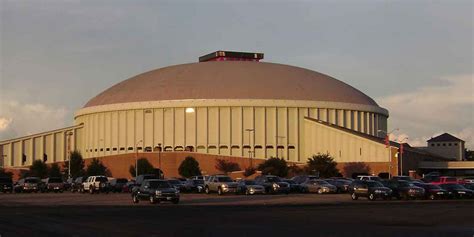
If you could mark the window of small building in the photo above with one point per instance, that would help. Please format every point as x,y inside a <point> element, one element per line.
<point>139,148</point>
<point>444,144</point>
<point>455,144</point>
<point>122,148</point>
<point>114,149</point>
<point>449,144</point>
<point>438,144</point>
<point>432,144</point>
<point>130,148</point>
<point>96,149</point>
<point>101,149</point>
<point>107,149</point>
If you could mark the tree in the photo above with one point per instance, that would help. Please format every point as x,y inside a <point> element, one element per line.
<point>96,168</point>
<point>249,171</point>
<point>144,167</point>
<point>226,166</point>
<point>324,164</point>
<point>355,168</point>
<point>469,154</point>
<point>189,167</point>
<point>77,165</point>
<point>274,166</point>
<point>38,169</point>
<point>4,173</point>
<point>54,171</point>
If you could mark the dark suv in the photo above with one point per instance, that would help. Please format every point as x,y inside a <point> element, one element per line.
<point>155,190</point>
<point>6,185</point>
<point>54,184</point>
<point>404,189</point>
<point>273,184</point>
<point>369,189</point>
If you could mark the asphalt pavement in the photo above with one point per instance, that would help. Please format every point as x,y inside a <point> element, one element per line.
<point>69,214</point>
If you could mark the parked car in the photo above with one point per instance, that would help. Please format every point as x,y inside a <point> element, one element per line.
<point>273,184</point>
<point>370,189</point>
<point>469,186</point>
<point>128,187</point>
<point>68,184</point>
<point>77,185</point>
<point>6,185</point>
<point>53,184</point>
<point>140,178</point>
<point>155,190</point>
<point>295,187</point>
<point>96,184</point>
<point>194,185</point>
<point>401,177</point>
<point>404,189</point>
<point>201,177</point>
<point>249,187</point>
<point>27,185</point>
<point>433,191</point>
<point>468,180</point>
<point>369,177</point>
<point>458,190</point>
<point>116,185</point>
<point>341,184</point>
<point>319,186</point>
<point>427,178</point>
<point>221,184</point>
<point>176,183</point>
<point>445,180</point>
<point>303,178</point>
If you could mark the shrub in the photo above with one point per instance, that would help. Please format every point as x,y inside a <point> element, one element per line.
<point>226,166</point>
<point>77,165</point>
<point>54,171</point>
<point>274,166</point>
<point>144,167</point>
<point>4,173</point>
<point>324,164</point>
<point>38,169</point>
<point>355,168</point>
<point>96,168</point>
<point>189,167</point>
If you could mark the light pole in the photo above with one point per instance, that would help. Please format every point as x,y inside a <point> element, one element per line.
<point>68,139</point>
<point>159,156</point>
<point>389,149</point>
<point>278,141</point>
<point>249,130</point>
<point>400,154</point>
<point>136,158</point>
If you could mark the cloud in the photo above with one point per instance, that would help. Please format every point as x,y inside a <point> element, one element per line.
<point>4,123</point>
<point>20,119</point>
<point>431,110</point>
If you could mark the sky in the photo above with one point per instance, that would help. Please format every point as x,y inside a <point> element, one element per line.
<point>415,58</point>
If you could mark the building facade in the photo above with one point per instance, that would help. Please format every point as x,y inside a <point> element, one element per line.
<point>228,104</point>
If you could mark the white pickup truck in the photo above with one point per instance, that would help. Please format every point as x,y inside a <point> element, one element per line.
<point>96,184</point>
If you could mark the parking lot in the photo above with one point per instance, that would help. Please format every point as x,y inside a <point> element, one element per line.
<point>74,214</point>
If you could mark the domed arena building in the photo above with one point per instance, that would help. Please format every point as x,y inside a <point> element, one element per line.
<point>229,105</point>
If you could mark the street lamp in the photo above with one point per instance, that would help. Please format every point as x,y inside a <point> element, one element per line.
<point>68,139</point>
<point>136,158</point>
<point>249,130</point>
<point>389,149</point>
<point>400,153</point>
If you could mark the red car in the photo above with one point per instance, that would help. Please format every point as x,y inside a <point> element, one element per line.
<point>445,180</point>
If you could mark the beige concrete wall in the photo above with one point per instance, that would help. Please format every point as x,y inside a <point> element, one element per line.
<point>217,127</point>
<point>343,146</point>
<point>450,150</point>
<point>52,143</point>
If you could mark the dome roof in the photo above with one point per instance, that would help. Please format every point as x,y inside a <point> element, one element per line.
<point>231,80</point>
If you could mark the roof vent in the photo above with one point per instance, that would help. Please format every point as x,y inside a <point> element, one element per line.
<point>231,56</point>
